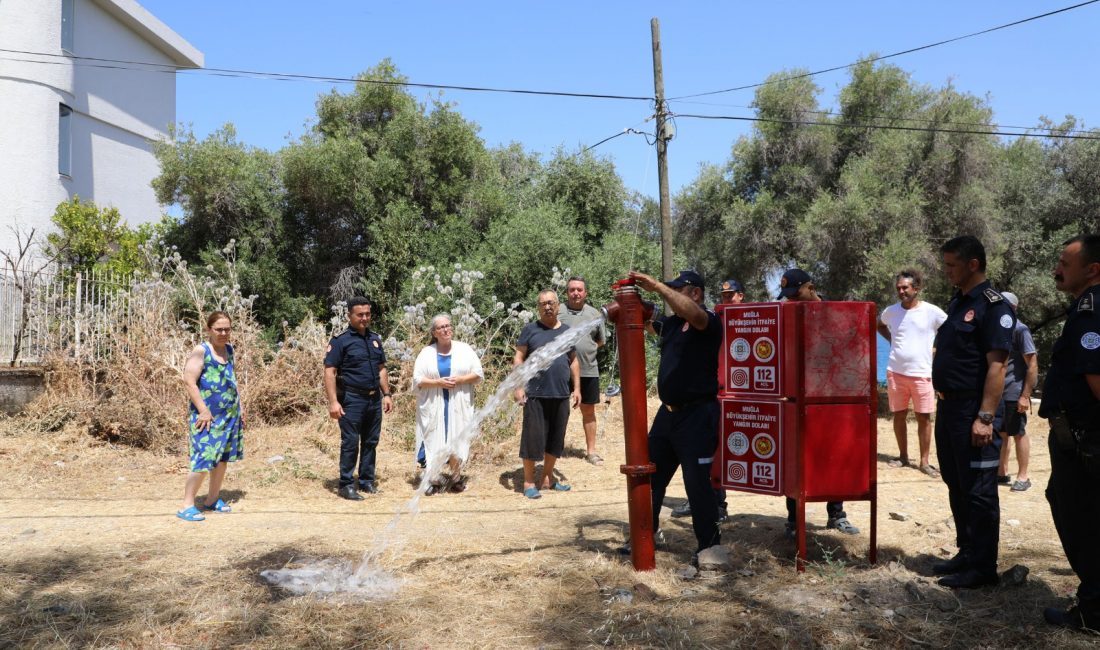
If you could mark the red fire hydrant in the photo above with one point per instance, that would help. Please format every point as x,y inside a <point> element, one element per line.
<point>630,314</point>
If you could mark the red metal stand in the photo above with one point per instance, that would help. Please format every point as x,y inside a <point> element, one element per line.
<point>630,313</point>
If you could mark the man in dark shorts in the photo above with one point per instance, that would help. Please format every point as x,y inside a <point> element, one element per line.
<point>1021,377</point>
<point>576,311</point>
<point>546,399</point>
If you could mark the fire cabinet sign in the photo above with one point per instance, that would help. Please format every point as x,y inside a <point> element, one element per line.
<point>752,446</point>
<point>752,349</point>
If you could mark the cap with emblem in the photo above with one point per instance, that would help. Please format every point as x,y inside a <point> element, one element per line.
<point>731,286</point>
<point>686,278</point>
<point>1011,298</point>
<point>791,281</point>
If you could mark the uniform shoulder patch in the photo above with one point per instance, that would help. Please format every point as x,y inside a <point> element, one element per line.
<point>992,296</point>
<point>1087,303</point>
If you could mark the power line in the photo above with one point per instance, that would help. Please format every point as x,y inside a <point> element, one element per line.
<point>120,64</point>
<point>894,54</point>
<point>889,127</point>
<point>925,120</point>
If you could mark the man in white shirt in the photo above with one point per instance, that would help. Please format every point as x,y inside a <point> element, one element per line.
<point>910,325</point>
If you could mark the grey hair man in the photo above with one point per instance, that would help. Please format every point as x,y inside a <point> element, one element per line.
<point>1021,376</point>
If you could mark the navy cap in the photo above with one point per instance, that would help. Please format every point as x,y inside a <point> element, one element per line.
<point>791,281</point>
<point>731,285</point>
<point>686,278</point>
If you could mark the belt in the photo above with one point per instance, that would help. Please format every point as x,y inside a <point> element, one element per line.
<point>672,408</point>
<point>362,392</point>
<point>953,395</point>
<point>1067,434</point>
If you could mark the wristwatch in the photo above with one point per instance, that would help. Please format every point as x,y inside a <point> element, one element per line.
<point>986,417</point>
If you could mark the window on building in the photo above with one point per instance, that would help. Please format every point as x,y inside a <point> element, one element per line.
<point>65,140</point>
<point>67,10</point>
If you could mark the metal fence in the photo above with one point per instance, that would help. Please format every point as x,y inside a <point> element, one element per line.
<point>51,311</point>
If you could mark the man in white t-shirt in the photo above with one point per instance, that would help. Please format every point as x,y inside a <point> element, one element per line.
<point>910,325</point>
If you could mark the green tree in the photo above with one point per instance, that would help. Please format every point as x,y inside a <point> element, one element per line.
<point>379,166</point>
<point>92,238</point>
<point>588,188</point>
<point>848,202</point>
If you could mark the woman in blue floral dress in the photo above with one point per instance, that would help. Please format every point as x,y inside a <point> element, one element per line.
<point>216,417</point>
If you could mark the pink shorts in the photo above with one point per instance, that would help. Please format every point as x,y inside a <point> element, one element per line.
<point>901,388</point>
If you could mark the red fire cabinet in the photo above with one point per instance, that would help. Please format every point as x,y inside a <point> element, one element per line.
<point>799,404</point>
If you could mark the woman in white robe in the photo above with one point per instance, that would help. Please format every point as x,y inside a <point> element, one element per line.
<point>444,377</point>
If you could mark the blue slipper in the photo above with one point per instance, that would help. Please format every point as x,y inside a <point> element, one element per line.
<point>560,487</point>
<point>219,506</point>
<point>532,493</point>
<point>191,514</point>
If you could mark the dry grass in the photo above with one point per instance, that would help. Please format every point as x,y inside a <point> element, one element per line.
<point>93,558</point>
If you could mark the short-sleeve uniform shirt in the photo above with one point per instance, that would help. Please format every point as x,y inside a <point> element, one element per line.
<point>358,358</point>
<point>689,360</point>
<point>978,321</point>
<point>1076,353</point>
<point>554,381</point>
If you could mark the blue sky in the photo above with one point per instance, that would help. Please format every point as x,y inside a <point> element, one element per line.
<point>1047,67</point>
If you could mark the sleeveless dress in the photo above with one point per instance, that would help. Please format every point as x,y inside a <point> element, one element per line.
<point>222,441</point>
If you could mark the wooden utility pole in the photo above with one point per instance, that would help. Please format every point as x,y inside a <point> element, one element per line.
<point>663,136</point>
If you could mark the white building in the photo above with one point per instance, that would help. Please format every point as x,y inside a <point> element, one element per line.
<point>72,125</point>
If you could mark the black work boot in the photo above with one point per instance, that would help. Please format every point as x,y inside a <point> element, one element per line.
<point>948,567</point>
<point>1083,616</point>
<point>968,579</point>
<point>348,492</point>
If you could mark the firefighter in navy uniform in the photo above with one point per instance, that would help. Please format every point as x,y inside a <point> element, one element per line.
<point>685,430</point>
<point>1071,404</point>
<point>356,361</point>
<point>968,374</point>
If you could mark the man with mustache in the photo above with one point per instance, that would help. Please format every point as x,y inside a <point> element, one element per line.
<point>1071,404</point>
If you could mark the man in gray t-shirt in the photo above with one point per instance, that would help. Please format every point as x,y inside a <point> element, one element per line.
<point>1021,375</point>
<point>575,311</point>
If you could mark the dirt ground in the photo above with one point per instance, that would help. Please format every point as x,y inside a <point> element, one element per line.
<point>93,557</point>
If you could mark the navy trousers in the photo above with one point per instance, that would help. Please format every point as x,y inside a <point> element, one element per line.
<point>1074,495</point>
<point>971,476</point>
<point>687,439</point>
<point>360,429</point>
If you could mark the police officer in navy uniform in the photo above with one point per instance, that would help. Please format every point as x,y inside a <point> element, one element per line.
<point>355,359</point>
<point>1071,404</point>
<point>968,374</point>
<point>685,431</point>
<point>730,292</point>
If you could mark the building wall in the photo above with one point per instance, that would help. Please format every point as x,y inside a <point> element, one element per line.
<point>30,186</point>
<point>117,113</point>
